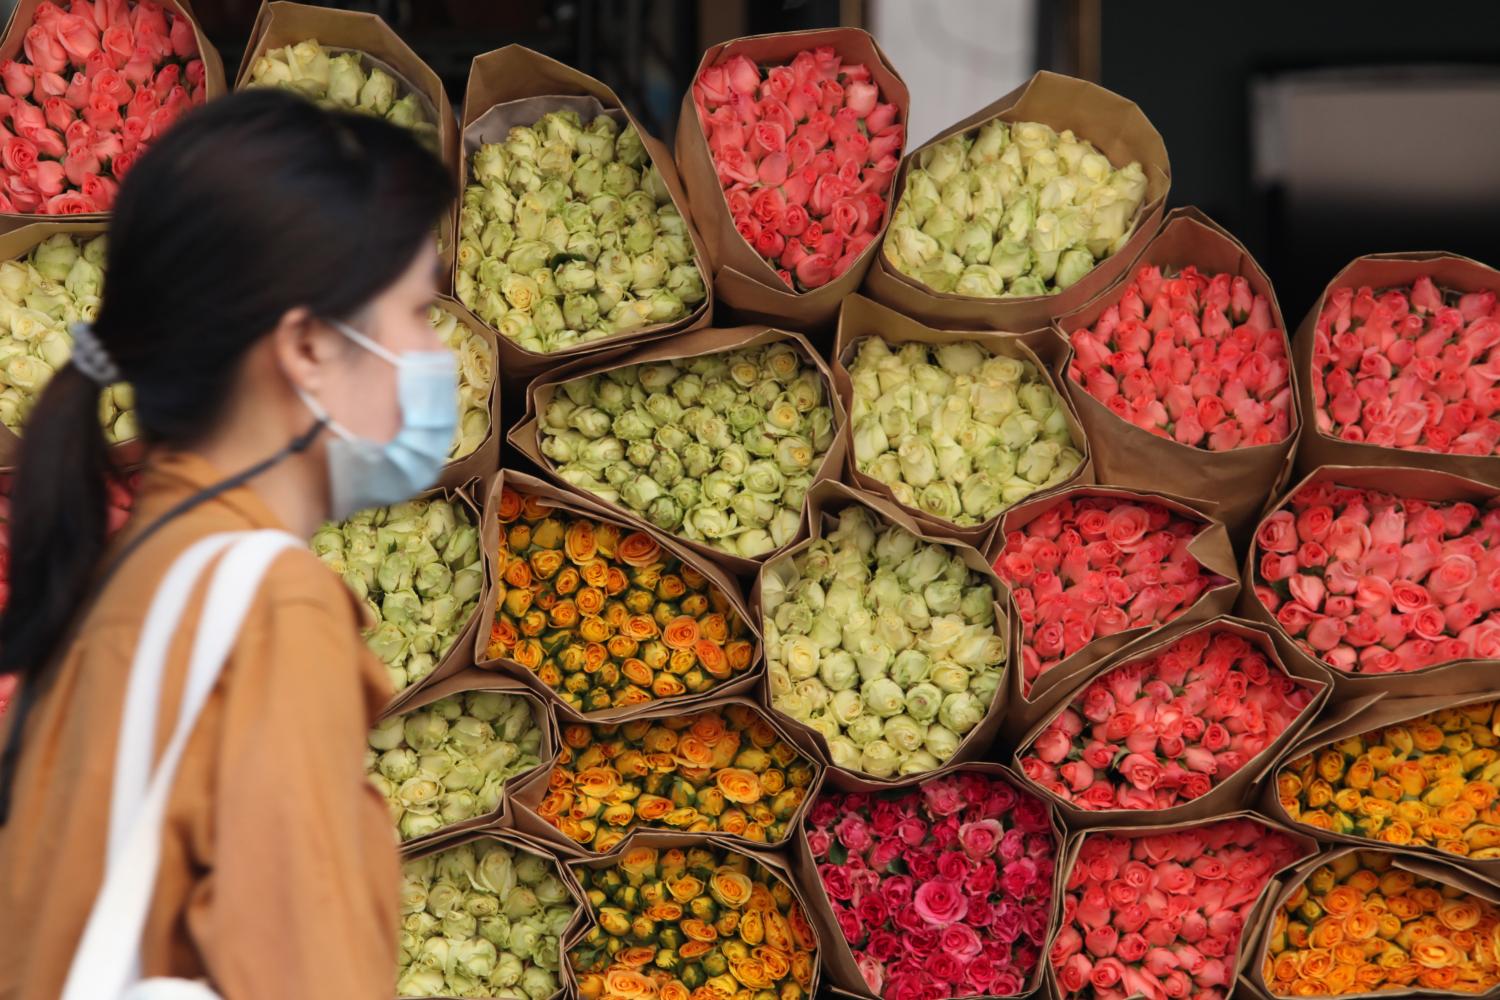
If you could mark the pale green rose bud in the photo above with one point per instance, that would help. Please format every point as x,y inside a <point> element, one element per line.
<point>630,149</point>
<point>55,256</point>
<point>942,274</point>
<point>941,742</point>
<point>346,78</point>
<point>27,373</point>
<point>686,282</point>
<point>963,358</point>
<point>495,929</point>
<point>883,697</point>
<point>979,281</point>
<point>961,712</point>
<point>923,701</point>
<point>989,141</point>
<point>904,733</point>
<point>783,417</point>
<point>539,983</point>
<point>863,728</point>
<point>910,667</point>
<point>708,523</point>
<point>55,349</point>
<point>389,643</point>
<point>911,250</point>
<point>1072,266</point>
<point>845,707</point>
<point>398,765</point>
<point>879,758</point>
<point>918,461</point>
<point>978,647</point>
<point>419,980</point>
<point>1028,286</point>
<point>844,753</point>
<point>838,671</point>
<point>980,497</point>
<point>949,677</point>
<point>940,499</point>
<point>425,730</point>
<point>1038,461</point>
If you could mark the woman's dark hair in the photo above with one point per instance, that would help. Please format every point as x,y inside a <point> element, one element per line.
<point>252,205</point>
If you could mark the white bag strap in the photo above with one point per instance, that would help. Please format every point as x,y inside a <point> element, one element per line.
<point>106,962</point>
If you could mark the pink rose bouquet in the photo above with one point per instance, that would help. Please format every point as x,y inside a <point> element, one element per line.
<point>1373,583</point>
<point>943,890</point>
<point>805,153</point>
<point>1163,730</point>
<point>1415,368</point>
<point>95,82</point>
<point>1161,915</point>
<point>1092,566</point>
<point>1190,357</point>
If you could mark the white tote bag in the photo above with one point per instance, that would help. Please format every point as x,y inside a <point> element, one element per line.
<point>106,965</point>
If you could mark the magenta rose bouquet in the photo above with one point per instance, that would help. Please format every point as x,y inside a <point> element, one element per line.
<point>1156,732</point>
<point>1161,915</point>
<point>940,891</point>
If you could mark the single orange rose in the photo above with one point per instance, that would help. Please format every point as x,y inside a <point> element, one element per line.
<point>778,963</point>
<point>1460,914</point>
<point>697,930</point>
<point>739,654</point>
<point>636,671</point>
<point>518,574</point>
<point>1360,925</point>
<point>738,785</point>
<point>680,633</point>
<point>640,627</point>
<point>1327,932</point>
<point>695,949</point>
<point>638,549</point>
<point>528,654</point>
<point>534,508</point>
<point>595,573</point>
<point>1316,963</point>
<point>590,601</point>
<point>802,968</point>
<point>595,657</point>
<point>715,628</point>
<point>567,581</point>
<point>712,658</point>
<point>673,989</point>
<point>564,615</point>
<point>616,615</point>
<point>545,563</point>
<point>693,752</point>
<point>635,958</point>
<point>652,807</point>
<point>593,629</point>
<point>503,635</point>
<point>615,581</point>
<point>1439,979</point>
<point>633,695</point>
<point>1460,813</point>
<point>707,726</point>
<point>1283,969</point>
<point>579,542</point>
<point>509,506</point>
<point>802,931</point>
<point>627,984</point>
<point>1435,952</point>
<point>1342,899</point>
<point>667,686</point>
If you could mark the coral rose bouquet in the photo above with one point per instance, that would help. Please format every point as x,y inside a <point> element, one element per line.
<point>92,85</point>
<point>1165,729</point>
<point>1162,913</point>
<point>1374,582</point>
<point>940,891</point>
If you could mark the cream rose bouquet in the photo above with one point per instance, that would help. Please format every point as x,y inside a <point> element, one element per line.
<point>476,380</point>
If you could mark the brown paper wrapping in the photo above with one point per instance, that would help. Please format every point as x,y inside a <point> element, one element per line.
<point>1238,789</point>
<point>1258,913</point>
<point>21,18</point>
<point>1126,455</point>
<point>526,435</point>
<point>838,957</point>
<point>743,280</point>
<point>1386,270</point>
<point>1257,936</point>
<point>464,681</point>
<point>515,74</point>
<point>824,501</point>
<point>1116,127</point>
<point>578,503</point>
<point>1370,713</point>
<point>280,23</point>
<point>519,841</point>
<point>1211,548</point>
<point>529,794</point>
<point>1458,677</point>
<point>861,318</point>
<point>16,243</point>
<point>482,462</point>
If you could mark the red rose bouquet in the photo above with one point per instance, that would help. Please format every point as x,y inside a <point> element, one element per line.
<point>1373,583</point>
<point>1094,566</point>
<point>805,153</point>
<point>943,890</point>
<point>1161,915</point>
<point>1156,732</point>
<point>96,82</point>
<point>1415,368</point>
<point>1191,357</point>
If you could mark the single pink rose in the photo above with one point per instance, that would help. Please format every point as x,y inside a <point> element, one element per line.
<point>79,38</point>
<point>940,902</point>
<point>814,271</point>
<point>44,50</point>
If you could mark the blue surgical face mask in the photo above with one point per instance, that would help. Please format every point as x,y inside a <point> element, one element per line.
<point>364,473</point>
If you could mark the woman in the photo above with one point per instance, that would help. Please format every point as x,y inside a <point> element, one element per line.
<point>269,271</point>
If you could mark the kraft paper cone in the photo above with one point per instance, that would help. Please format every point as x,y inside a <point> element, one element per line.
<point>743,280</point>
<point>483,461</point>
<point>1458,676</point>
<point>22,16</point>
<point>1212,549</point>
<point>578,503</point>
<point>518,841</point>
<point>527,799</point>
<point>1380,271</point>
<point>516,86</point>
<point>1254,948</point>
<point>861,318</point>
<point>824,501</point>
<point>526,436</point>
<point>774,862</point>
<point>462,682</point>
<point>838,957</point>
<point>1236,791</point>
<point>1253,920</point>
<point>1126,455</point>
<point>16,244</point>
<point>1117,128</point>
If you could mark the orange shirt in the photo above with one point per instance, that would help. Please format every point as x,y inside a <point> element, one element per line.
<point>279,876</point>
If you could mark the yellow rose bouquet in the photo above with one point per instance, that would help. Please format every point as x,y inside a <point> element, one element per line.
<point>695,923</point>
<point>722,770</point>
<point>1430,781</point>
<point>1360,924</point>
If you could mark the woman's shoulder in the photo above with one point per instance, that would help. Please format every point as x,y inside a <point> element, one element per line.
<point>297,576</point>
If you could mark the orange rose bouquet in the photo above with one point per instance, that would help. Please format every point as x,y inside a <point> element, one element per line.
<point>1428,782</point>
<point>698,923</point>
<point>607,617</point>
<point>1358,924</point>
<point>723,770</point>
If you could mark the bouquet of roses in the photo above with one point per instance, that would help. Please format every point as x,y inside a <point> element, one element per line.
<point>1161,914</point>
<point>695,922</point>
<point>1359,924</point>
<point>1416,368</point>
<point>1430,781</point>
<point>95,82</point>
<point>1191,357</point>
<point>805,153</point>
<point>942,891</point>
<point>1093,566</point>
<point>606,617</point>
<point>1156,732</point>
<point>476,379</point>
<point>1373,583</point>
<point>717,771</point>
